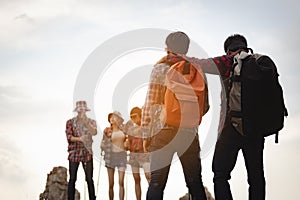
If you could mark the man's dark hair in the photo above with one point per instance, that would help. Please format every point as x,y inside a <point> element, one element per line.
<point>235,42</point>
<point>178,42</point>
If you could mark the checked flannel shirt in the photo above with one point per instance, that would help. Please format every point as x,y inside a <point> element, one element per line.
<point>79,151</point>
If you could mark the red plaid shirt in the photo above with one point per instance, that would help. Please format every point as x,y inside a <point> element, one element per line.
<point>219,65</point>
<point>155,91</point>
<point>79,151</point>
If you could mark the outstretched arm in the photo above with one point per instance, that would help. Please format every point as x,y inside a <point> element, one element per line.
<point>216,65</point>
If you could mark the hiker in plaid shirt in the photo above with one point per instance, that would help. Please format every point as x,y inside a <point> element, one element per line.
<point>134,143</point>
<point>79,132</point>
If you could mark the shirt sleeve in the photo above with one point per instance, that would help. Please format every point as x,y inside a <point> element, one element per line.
<point>216,65</point>
<point>69,130</point>
<point>154,93</point>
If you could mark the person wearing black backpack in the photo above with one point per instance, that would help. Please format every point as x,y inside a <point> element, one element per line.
<point>252,107</point>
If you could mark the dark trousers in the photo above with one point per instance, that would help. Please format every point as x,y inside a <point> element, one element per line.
<point>88,170</point>
<point>185,142</point>
<point>225,156</point>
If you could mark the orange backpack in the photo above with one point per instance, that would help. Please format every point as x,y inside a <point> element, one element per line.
<point>186,97</point>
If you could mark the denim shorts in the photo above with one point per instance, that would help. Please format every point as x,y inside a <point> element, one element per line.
<point>116,159</point>
<point>139,159</point>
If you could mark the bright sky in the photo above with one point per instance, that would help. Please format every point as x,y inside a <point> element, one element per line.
<point>44,44</point>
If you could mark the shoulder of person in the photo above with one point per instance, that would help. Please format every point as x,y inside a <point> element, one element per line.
<point>159,67</point>
<point>69,121</point>
<point>261,58</point>
<point>265,60</point>
<point>92,120</point>
<point>159,70</point>
<point>127,125</point>
<point>107,131</point>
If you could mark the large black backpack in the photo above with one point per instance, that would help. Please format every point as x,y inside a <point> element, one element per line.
<point>262,109</point>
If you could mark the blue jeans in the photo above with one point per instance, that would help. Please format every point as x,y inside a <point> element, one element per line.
<point>184,142</point>
<point>88,170</point>
<point>225,156</point>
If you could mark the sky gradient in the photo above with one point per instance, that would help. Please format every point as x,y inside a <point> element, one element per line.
<point>43,45</point>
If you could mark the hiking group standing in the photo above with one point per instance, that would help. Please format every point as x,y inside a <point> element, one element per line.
<point>252,107</point>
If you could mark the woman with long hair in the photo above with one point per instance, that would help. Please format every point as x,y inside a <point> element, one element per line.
<point>115,153</point>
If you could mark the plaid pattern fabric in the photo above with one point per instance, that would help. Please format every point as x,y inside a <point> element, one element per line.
<point>154,99</point>
<point>221,65</point>
<point>155,91</point>
<point>79,151</point>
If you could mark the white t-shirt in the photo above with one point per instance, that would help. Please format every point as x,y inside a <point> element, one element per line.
<point>117,140</point>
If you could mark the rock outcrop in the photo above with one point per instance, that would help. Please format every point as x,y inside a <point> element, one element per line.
<point>57,185</point>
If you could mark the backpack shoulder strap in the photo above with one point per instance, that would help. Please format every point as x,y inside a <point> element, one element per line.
<point>257,56</point>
